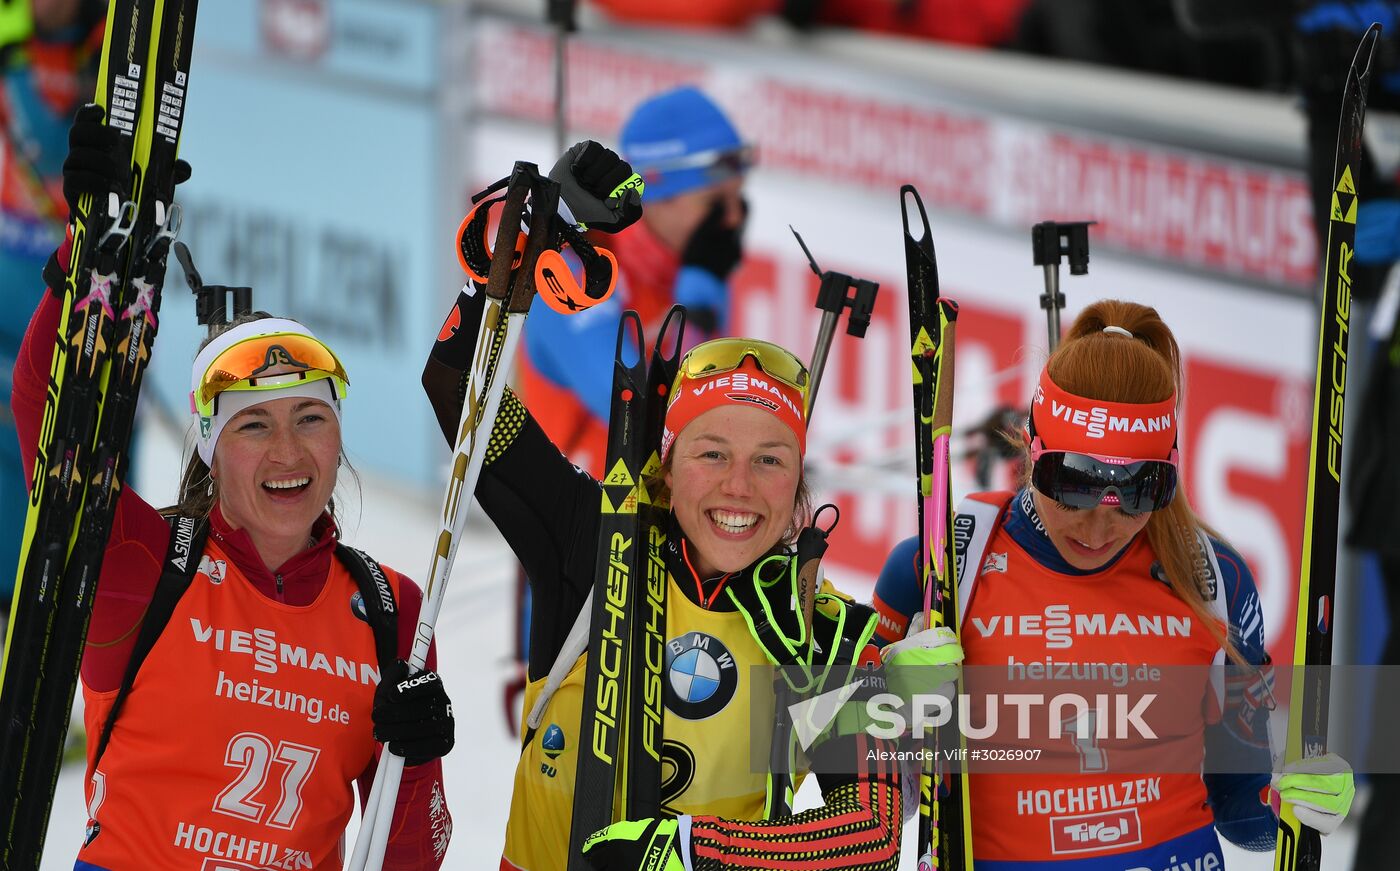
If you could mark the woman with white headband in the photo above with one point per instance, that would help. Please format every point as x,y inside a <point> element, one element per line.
<point>241,664</point>
<point>1098,577</point>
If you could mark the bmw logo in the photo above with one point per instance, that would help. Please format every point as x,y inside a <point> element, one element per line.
<point>357,606</point>
<point>701,676</point>
<point>553,741</point>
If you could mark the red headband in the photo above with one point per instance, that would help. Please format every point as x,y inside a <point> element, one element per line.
<point>1136,430</point>
<point>746,386</point>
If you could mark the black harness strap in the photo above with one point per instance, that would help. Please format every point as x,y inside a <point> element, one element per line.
<point>187,536</point>
<point>381,610</point>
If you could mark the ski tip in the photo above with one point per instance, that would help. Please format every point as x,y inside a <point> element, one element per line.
<point>1366,51</point>
<point>672,336</point>
<point>630,353</point>
<point>907,193</point>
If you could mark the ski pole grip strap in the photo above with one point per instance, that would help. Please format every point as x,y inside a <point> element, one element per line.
<point>473,245</point>
<point>182,558</point>
<point>777,800</point>
<point>808,567</point>
<point>556,283</point>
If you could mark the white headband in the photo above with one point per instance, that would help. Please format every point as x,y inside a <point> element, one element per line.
<point>229,403</point>
<point>1120,331</point>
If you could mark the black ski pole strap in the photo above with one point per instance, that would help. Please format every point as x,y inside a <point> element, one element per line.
<point>811,547</point>
<point>187,536</point>
<point>381,611</point>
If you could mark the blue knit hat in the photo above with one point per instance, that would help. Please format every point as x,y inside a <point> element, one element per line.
<point>679,140</point>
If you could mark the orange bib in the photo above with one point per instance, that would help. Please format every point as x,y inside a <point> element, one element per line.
<point>244,729</point>
<point>1095,790</point>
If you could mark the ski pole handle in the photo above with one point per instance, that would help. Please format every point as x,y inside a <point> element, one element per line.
<point>811,547</point>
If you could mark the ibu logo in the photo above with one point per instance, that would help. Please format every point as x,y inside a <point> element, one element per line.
<point>552,744</point>
<point>701,676</point>
<point>553,741</point>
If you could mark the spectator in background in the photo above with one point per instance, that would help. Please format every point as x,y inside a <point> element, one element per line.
<point>683,250</point>
<point>49,51</point>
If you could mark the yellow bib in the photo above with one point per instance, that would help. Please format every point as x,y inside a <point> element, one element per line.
<point>708,766</point>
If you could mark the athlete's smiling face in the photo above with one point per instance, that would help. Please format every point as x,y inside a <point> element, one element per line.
<point>1087,539</point>
<point>733,478</point>
<point>275,465</point>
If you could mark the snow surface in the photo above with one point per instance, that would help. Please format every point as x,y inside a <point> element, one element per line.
<point>396,525</point>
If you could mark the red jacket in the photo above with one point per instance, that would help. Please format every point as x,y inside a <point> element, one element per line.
<point>135,553</point>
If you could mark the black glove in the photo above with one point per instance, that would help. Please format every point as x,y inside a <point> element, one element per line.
<point>599,186</point>
<point>92,167</point>
<point>715,247</point>
<point>412,715</point>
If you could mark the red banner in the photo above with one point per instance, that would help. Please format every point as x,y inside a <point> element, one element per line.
<point>1236,218</point>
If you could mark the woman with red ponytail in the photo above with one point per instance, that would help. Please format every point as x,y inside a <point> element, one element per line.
<point>1098,572</point>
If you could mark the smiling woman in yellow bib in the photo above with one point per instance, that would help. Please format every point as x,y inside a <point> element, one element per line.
<point>732,465</point>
